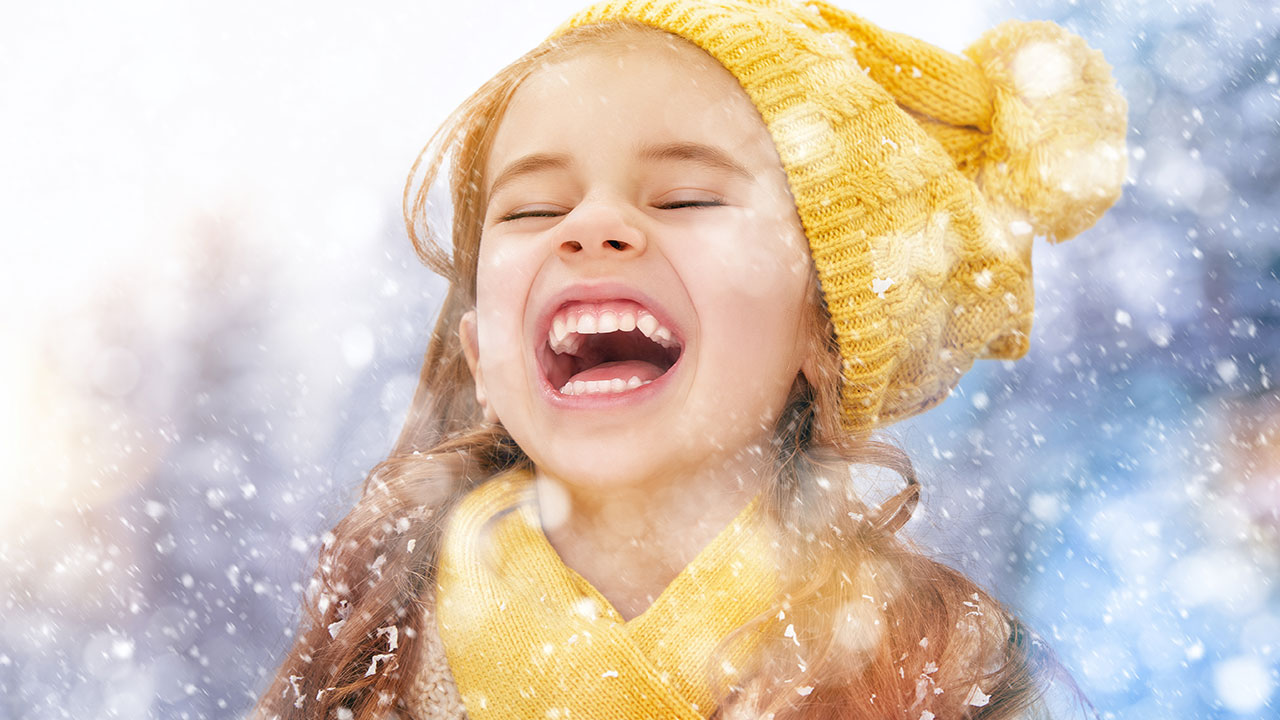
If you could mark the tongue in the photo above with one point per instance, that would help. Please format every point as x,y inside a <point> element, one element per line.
<point>625,369</point>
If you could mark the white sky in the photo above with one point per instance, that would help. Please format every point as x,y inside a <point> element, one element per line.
<point>121,119</point>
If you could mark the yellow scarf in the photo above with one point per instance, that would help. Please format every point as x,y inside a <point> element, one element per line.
<point>527,637</point>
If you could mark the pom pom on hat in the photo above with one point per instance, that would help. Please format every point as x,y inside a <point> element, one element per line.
<point>1057,129</point>
<point>1030,113</point>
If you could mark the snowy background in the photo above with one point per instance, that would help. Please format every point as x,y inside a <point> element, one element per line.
<point>212,324</point>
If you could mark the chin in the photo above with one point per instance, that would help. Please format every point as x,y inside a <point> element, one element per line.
<point>596,463</point>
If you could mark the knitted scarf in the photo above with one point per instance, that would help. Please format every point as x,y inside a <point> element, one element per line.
<point>527,637</point>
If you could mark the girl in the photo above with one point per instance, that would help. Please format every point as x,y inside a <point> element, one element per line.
<point>700,251</point>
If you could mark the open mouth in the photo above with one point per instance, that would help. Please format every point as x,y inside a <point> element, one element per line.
<point>606,348</point>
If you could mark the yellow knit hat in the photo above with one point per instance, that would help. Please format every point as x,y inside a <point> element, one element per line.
<point>920,176</point>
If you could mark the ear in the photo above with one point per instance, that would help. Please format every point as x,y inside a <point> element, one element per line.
<point>471,350</point>
<point>817,361</point>
<point>812,367</point>
<point>809,368</point>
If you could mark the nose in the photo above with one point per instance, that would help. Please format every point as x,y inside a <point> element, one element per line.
<point>600,229</point>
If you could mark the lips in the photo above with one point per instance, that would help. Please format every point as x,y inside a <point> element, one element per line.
<point>606,347</point>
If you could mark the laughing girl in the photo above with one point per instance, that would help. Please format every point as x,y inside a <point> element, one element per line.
<point>700,252</point>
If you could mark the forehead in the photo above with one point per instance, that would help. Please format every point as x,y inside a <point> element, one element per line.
<point>643,87</point>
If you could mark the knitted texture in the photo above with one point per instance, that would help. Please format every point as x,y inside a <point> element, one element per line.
<point>920,176</point>
<point>432,695</point>
<point>527,637</point>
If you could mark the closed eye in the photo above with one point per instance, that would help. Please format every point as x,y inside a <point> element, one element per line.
<point>536,213</point>
<point>670,205</point>
<point>678,204</point>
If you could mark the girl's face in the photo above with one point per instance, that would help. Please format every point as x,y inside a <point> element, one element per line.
<point>643,276</point>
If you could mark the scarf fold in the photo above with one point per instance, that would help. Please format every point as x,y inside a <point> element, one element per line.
<point>527,637</point>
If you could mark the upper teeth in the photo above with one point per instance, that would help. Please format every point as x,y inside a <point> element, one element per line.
<point>569,325</point>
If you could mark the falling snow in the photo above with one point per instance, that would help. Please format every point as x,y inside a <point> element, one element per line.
<point>1119,486</point>
<point>976,697</point>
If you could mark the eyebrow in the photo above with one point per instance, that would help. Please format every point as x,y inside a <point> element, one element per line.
<point>697,153</point>
<point>705,155</point>
<point>526,165</point>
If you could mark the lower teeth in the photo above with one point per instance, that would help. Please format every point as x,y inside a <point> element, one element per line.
<point>601,387</point>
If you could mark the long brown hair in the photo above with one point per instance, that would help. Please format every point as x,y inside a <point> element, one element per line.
<point>881,631</point>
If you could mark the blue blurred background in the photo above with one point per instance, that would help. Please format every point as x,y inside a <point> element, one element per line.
<point>213,323</point>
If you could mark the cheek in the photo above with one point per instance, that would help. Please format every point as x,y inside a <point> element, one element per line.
<point>754,286</point>
<point>776,269</point>
<point>503,278</point>
<point>764,263</point>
